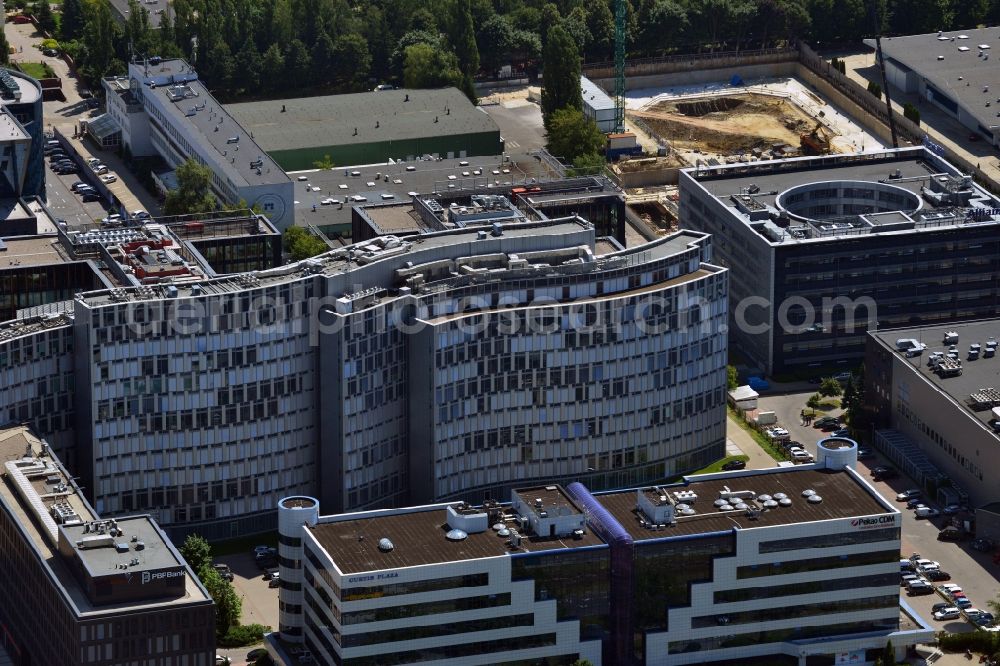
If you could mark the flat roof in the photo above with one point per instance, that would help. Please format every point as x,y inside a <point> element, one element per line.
<point>195,107</point>
<point>359,118</point>
<point>31,90</point>
<point>33,251</point>
<point>155,553</point>
<point>154,7</point>
<point>844,496</point>
<point>10,129</point>
<point>395,180</point>
<point>57,487</point>
<point>418,539</point>
<point>963,75</point>
<point>761,184</point>
<point>595,97</point>
<point>976,375</point>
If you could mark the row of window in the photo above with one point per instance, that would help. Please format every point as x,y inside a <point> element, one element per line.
<point>807,587</point>
<point>796,612</point>
<point>831,540</point>
<point>818,564</point>
<point>782,635</point>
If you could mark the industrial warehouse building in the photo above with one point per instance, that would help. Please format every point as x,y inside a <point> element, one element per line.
<point>929,407</point>
<point>790,565</point>
<point>368,128</point>
<point>823,248</point>
<point>397,370</point>
<point>952,70</point>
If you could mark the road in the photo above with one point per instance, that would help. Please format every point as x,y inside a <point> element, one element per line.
<point>788,407</point>
<point>66,205</point>
<point>260,602</point>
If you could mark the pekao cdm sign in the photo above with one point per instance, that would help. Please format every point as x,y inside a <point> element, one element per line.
<point>874,522</point>
<point>156,576</point>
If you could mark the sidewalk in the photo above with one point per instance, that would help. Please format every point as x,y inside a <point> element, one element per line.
<point>739,442</point>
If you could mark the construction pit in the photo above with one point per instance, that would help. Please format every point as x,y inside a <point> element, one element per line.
<point>767,119</point>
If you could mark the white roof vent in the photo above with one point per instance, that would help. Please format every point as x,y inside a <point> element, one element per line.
<point>770,504</point>
<point>814,499</point>
<point>456,535</point>
<point>385,545</point>
<point>808,492</point>
<point>784,501</point>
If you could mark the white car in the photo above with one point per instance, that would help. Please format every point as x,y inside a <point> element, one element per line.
<point>93,161</point>
<point>109,178</point>
<point>100,169</point>
<point>926,512</point>
<point>907,495</point>
<point>949,613</point>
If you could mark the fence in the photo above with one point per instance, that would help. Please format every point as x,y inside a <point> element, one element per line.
<point>691,61</point>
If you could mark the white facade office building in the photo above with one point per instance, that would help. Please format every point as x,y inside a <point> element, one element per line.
<point>458,363</point>
<point>800,563</point>
<point>162,108</point>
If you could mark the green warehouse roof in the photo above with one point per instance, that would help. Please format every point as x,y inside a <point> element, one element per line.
<point>377,116</point>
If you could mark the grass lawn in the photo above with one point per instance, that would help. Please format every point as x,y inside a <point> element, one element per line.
<point>36,70</point>
<point>717,465</point>
<point>244,544</point>
<point>772,450</point>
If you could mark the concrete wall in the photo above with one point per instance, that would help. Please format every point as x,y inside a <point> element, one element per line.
<point>688,63</point>
<point>696,77</point>
<point>647,178</point>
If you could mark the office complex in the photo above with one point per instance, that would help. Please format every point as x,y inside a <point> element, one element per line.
<point>934,408</point>
<point>796,563</point>
<point>78,589</point>
<point>22,169</point>
<point>40,270</point>
<point>369,127</point>
<point>456,363</point>
<point>822,248</point>
<point>952,70</point>
<point>162,108</point>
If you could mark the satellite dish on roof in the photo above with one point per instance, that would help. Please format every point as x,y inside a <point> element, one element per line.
<point>456,535</point>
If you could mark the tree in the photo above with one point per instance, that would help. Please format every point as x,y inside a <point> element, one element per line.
<point>814,401</point>
<point>272,68</point>
<point>582,662</point>
<point>247,75</point>
<point>732,377</point>
<point>351,59</point>
<point>4,49</point>
<point>830,387</point>
<point>562,75</point>
<point>601,26</point>
<point>197,552</point>
<point>221,67</point>
<point>664,24</point>
<point>325,163</point>
<point>192,194</point>
<point>72,21</point>
<point>889,654</point>
<point>911,112</point>
<point>571,134</point>
<point>300,244</point>
<point>139,36</point>
<point>463,38</point>
<point>98,41</point>
<point>875,89</point>
<point>589,164</point>
<point>228,606</point>
<point>426,66</point>
<point>496,39</point>
<point>46,19</point>
<point>298,63</point>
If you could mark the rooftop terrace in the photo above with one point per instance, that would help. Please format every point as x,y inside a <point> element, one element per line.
<point>812,199</point>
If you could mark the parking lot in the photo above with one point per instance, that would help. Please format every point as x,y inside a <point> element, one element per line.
<point>69,206</point>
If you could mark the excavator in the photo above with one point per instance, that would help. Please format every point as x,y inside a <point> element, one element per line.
<point>816,141</point>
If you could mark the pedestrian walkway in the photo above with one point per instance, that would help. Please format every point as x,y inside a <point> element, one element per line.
<point>739,442</point>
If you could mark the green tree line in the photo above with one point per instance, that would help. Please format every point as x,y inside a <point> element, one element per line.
<point>266,47</point>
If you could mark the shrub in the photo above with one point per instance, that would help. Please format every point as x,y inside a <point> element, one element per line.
<point>875,89</point>
<point>982,642</point>
<point>242,635</point>
<point>910,112</point>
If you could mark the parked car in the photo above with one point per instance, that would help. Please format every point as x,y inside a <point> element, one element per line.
<point>948,613</point>
<point>963,602</point>
<point>825,420</point>
<point>224,571</point>
<point>914,503</point>
<point>936,575</point>
<point>255,654</point>
<point>262,549</point>
<point>67,169</point>
<point>108,178</point>
<point>100,169</point>
<point>926,512</point>
<point>734,465</point>
<point>140,215</point>
<point>758,383</point>
<point>830,427</point>
<point>939,605</point>
<point>843,377</point>
<point>91,196</point>
<point>864,453</point>
<point>843,432</point>
<point>915,590</point>
<point>951,509</point>
<point>908,495</point>
<point>92,162</point>
<point>221,660</point>
<point>52,53</point>
<point>951,533</point>
<point>905,565</point>
<point>77,185</point>
<point>882,473</point>
<point>982,545</point>
<point>275,580</point>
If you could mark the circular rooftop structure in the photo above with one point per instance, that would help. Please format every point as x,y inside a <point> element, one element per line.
<point>837,199</point>
<point>18,88</point>
<point>299,502</point>
<point>837,452</point>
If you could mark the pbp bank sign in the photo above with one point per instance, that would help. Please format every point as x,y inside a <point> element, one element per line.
<point>875,522</point>
<point>163,577</point>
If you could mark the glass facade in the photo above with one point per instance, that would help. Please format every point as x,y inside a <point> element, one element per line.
<point>818,564</point>
<point>430,608</point>
<point>579,581</point>
<point>807,587</point>
<point>782,635</point>
<point>414,587</point>
<point>889,602</point>
<point>831,540</point>
<point>664,572</point>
